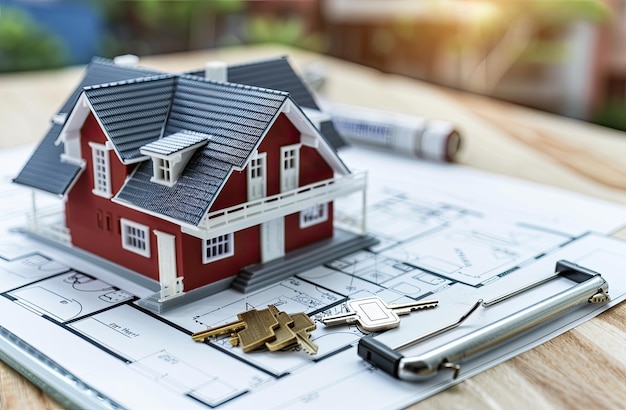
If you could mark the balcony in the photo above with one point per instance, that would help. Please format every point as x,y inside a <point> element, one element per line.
<point>255,212</point>
<point>47,220</point>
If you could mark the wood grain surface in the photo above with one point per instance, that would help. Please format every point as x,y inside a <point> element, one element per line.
<point>584,368</point>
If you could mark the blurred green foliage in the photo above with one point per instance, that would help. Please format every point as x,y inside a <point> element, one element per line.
<point>158,26</point>
<point>561,11</point>
<point>290,31</point>
<point>161,26</point>
<point>154,13</point>
<point>24,45</point>
<point>145,27</point>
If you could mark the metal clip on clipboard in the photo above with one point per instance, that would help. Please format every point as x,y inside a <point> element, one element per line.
<point>591,288</point>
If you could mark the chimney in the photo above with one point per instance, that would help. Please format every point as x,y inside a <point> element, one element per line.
<point>127,60</point>
<point>216,71</point>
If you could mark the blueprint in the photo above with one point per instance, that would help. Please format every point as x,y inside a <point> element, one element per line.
<point>444,231</point>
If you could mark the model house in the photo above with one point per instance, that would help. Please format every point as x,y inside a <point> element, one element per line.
<point>188,180</point>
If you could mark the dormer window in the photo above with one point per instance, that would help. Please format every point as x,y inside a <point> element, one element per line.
<point>170,155</point>
<point>162,169</point>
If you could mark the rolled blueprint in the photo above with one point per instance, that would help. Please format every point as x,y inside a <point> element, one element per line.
<point>429,139</point>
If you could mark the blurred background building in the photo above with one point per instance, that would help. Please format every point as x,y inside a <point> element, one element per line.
<point>562,56</point>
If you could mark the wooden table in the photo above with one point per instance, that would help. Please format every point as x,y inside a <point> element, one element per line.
<point>581,369</point>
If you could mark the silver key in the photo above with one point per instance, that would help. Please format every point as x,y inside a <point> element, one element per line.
<point>372,314</point>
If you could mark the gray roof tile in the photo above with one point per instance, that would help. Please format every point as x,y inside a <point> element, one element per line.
<point>234,116</point>
<point>187,200</point>
<point>274,74</point>
<point>132,112</point>
<point>102,71</point>
<point>44,170</point>
<point>277,74</point>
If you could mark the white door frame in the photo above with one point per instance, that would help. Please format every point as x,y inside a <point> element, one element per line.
<point>171,284</point>
<point>272,239</point>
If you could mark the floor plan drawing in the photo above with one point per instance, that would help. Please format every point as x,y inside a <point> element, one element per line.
<point>68,296</point>
<point>432,245</point>
<point>159,352</point>
<point>22,267</point>
<point>474,251</point>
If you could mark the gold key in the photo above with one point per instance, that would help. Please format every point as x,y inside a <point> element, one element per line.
<point>260,325</point>
<point>254,327</point>
<point>222,330</point>
<point>302,325</point>
<point>284,334</point>
<point>270,327</point>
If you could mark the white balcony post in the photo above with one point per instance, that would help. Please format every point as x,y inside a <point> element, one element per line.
<point>35,221</point>
<point>364,211</point>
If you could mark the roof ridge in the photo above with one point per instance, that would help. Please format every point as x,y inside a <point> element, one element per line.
<point>144,79</point>
<point>233,85</point>
<point>260,61</point>
<point>190,77</point>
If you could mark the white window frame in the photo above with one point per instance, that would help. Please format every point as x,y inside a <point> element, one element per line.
<point>258,163</point>
<point>289,167</point>
<point>217,248</point>
<point>101,170</point>
<point>314,215</point>
<point>163,170</point>
<point>135,237</point>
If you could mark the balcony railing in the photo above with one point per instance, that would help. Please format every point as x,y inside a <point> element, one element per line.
<point>265,209</point>
<point>49,223</point>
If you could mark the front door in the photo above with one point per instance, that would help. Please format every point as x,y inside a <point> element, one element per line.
<point>272,239</point>
<point>171,284</point>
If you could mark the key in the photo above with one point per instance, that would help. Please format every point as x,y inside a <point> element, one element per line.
<point>253,329</point>
<point>270,327</point>
<point>222,330</point>
<point>260,325</point>
<point>294,328</point>
<point>372,314</point>
<point>302,325</point>
<point>284,335</point>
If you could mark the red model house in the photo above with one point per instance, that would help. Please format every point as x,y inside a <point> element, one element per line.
<point>187,180</point>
